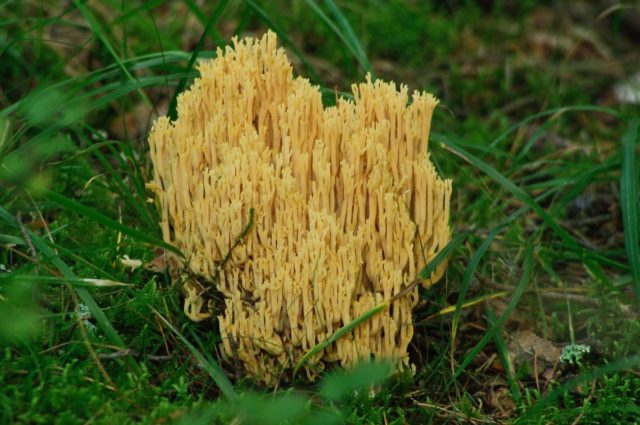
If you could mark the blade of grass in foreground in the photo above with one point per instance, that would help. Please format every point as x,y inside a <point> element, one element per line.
<point>73,281</point>
<point>146,62</point>
<point>350,36</point>
<point>424,274</point>
<point>145,7</point>
<point>554,113</point>
<point>341,384</point>
<point>509,186</point>
<point>470,303</point>
<point>222,4</point>
<point>93,23</point>
<point>83,293</point>
<point>629,201</point>
<point>469,271</point>
<point>442,256</point>
<point>345,32</point>
<point>98,217</point>
<point>132,198</point>
<point>209,365</point>
<point>570,243</point>
<point>507,364</point>
<point>497,325</point>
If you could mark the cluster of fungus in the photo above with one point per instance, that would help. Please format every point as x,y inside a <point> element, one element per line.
<point>302,217</point>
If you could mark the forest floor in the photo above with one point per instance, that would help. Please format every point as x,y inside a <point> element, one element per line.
<point>537,127</point>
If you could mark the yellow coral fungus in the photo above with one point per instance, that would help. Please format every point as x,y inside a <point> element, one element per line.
<point>348,208</point>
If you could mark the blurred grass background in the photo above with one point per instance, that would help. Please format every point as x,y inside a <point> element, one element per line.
<point>537,126</point>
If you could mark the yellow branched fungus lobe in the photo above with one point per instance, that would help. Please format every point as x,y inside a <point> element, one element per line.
<point>348,208</point>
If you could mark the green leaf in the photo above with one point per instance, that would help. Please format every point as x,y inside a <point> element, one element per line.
<point>83,293</point>
<point>213,19</point>
<point>555,112</point>
<point>213,368</point>
<point>102,36</point>
<point>629,201</point>
<point>505,359</point>
<point>497,325</point>
<point>350,37</point>
<point>341,384</point>
<point>73,281</point>
<point>343,31</point>
<point>507,184</point>
<point>279,409</point>
<point>470,270</point>
<point>340,333</point>
<point>98,217</point>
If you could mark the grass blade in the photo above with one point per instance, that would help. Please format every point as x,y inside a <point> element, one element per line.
<point>452,308</point>
<point>341,384</point>
<point>83,282</point>
<point>350,36</point>
<point>132,198</point>
<point>264,17</point>
<point>554,113</point>
<point>98,217</point>
<point>507,184</point>
<point>340,333</point>
<point>213,19</point>
<point>345,32</point>
<point>629,201</point>
<point>84,151</point>
<point>570,243</point>
<point>424,274</point>
<point>214,370</point>
<point>495,328</point>
<point>442,255</point>
<point>475,261</point>
<point>583,379</point>
<point>507,364</point>
<point>470,270</point>
<point>144,7</point>
<point>83,293</point>
<point>103,38</point>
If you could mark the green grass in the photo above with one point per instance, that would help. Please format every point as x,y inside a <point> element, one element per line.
<point>545,169</point>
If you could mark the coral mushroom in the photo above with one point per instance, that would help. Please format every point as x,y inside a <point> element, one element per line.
<point>348,208</point>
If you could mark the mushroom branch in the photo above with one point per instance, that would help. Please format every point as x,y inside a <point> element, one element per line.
<point>302,217</point>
